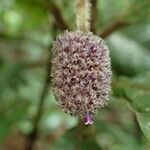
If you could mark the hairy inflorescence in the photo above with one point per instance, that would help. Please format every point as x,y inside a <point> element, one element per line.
<point>81,73</point>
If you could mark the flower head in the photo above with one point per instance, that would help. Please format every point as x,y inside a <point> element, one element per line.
<point>81,73</point>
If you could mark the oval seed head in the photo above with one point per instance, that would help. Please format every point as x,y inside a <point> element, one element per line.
<point>81,71</point>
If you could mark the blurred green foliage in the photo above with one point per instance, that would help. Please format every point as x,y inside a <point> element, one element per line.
<point>27,29</point>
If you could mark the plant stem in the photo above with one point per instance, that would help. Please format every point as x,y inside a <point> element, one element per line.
<point>33,135</point>
<point>93,15</point>
<point>55,11</point>
<point>83,15</point>
<point>114,27</point>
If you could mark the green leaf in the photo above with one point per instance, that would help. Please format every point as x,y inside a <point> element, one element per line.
<point>113,136</point>
<point>4,128</point>
<point>10,115</point>
<point>137,92</point>
<point>79,138</point>
<point>139,99</point>
<point>128,57</point>
<point>144,122</point>
<point>138,32</point>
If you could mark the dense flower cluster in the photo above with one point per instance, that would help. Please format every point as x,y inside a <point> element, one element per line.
<point>81,73</point>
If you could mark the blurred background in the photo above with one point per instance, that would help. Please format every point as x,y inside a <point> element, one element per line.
<point>29,116</point>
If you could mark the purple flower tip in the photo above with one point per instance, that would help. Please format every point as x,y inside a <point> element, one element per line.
<point>88,119</point>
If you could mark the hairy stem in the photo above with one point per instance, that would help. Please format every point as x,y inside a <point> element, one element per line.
<point>83,15</point>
